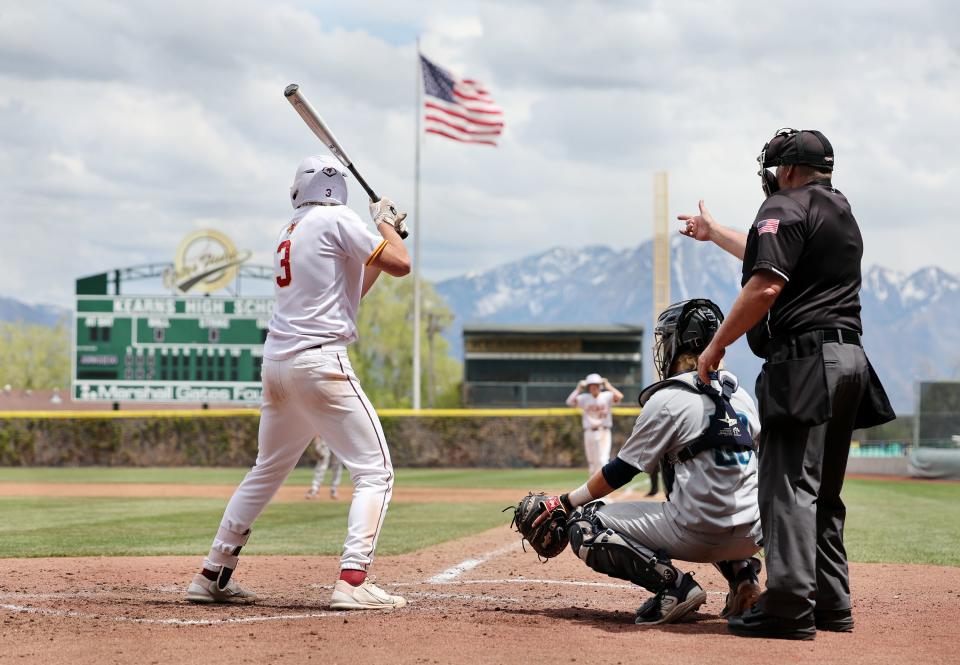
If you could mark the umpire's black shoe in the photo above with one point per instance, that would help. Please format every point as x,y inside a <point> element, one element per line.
<point>755,623</point>
<point>837,621</point>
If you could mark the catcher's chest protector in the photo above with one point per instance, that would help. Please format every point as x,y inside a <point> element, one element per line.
<point>726,430</point>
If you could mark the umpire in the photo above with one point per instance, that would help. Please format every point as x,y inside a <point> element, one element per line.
<point>800,309</point>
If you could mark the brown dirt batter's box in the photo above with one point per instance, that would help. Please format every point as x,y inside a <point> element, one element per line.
<point>477,600</point>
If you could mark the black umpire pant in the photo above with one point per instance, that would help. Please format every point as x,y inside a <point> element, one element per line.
<point>801,470</point>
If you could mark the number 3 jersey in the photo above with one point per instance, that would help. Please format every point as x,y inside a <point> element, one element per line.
<point>318,264</point>
<point>717,489</point>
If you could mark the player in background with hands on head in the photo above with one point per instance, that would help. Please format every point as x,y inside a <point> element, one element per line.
<point>800,309</point>
<point>597,417</point>
<point>707,433</point>
<point>325,260</point>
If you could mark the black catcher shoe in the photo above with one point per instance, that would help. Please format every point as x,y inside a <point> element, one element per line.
<point>756,623</point>
<point>744,590</point>
<point>672,604</point>
<point>837,621</point>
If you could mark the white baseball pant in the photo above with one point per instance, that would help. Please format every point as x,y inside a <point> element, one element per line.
<point>314,392</point>
<point>596,444</point>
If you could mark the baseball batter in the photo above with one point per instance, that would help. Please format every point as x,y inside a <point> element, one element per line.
<point>325,459</point>
<point>707,433</point>
<point>597,417</point>
<point>325,260</point>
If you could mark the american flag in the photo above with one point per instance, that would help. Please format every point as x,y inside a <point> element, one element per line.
<point>768,226</point>
<point>459,109</point>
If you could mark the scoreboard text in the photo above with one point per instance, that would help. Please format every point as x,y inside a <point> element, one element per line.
<point>169,349</point>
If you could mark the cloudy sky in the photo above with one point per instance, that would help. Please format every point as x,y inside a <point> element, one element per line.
<point>126,125</point>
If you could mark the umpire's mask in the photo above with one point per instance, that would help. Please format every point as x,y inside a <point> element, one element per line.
<point>792,146</point>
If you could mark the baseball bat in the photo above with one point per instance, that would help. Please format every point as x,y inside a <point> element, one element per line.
<point>319,127</point>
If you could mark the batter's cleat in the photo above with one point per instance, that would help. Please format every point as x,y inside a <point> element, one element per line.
<point>202,590</point>
<point>312,494</point>
<point>757,623</point>
<point>672,604</point>
<point>367,596</point>
<point>333,494</point>
<point>835,621</point>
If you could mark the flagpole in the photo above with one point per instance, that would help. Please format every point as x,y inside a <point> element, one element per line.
<point>417,230</point>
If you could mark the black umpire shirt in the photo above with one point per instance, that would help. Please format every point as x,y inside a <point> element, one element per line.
<point>808,236</point>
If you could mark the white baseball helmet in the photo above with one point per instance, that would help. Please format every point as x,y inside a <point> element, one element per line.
<point>593,379</point>
<point>319,179</point>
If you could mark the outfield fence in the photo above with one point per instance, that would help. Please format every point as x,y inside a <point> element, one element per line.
<point>228,437</point>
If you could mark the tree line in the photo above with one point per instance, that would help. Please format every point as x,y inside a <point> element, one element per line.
<point>37,357</point>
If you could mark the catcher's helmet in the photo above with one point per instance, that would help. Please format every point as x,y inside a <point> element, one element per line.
<point>684,327</point>
<point>321,180</point>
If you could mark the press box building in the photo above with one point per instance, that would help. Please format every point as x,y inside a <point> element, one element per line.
<point>538,365</point>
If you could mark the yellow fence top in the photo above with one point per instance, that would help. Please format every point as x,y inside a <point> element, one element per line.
<point>227,413</point>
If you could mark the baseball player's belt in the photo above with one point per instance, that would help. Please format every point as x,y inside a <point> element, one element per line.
<point>840,336</point>
<point>809,343</point>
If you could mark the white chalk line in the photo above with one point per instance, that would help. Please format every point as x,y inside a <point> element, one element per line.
<point>432,595</point>
<point>84,594</point>
<point>170,622</point>
<point>523,580</point>
<point>446,577</point>
<point>456,571</point>
<point>427,595</point>
<point>631,489</point>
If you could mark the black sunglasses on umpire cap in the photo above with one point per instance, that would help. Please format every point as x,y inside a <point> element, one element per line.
<point>768,179</point>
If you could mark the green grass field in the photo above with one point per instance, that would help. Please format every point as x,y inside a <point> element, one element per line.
<point>482,478</point>
<point>895,522</point>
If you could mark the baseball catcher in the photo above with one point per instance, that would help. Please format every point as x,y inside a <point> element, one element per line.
<point>707,434</point>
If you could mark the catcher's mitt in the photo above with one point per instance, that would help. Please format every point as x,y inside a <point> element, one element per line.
<point>549,537</point>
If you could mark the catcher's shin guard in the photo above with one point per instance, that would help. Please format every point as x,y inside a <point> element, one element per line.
<point>616,555</point>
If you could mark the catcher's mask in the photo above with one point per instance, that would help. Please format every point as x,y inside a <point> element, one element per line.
<point>684,327</point>
<point>792,146</point>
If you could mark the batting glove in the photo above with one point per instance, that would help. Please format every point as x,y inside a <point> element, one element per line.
<point>385,211</point>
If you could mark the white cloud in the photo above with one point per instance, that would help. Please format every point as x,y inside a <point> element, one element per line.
<point>124,126</point>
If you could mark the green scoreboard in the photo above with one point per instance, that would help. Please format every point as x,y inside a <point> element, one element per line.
<point>169,348</point>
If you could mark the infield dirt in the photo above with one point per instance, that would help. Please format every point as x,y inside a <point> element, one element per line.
<point>476,600</point>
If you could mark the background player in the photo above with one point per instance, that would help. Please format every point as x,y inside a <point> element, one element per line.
<point>325,260</point>
<point>708,434</point>
<point>325,459</point>
<point>597,417</point>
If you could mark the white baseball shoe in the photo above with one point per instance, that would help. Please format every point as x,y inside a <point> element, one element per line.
<point>202,590</point>
<point>367,596</point>
<point>333,494</point>
<point>312,494</point>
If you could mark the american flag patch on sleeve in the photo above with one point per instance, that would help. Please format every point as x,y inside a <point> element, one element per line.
<point>768,226</point>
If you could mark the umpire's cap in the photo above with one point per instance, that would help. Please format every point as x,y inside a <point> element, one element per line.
<point>804,146</point>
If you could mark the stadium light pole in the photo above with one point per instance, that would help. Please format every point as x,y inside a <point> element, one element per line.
<point>417,231</point>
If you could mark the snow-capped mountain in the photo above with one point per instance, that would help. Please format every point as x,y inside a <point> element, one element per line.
<point>911,321</point>
<point>13,310</point>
